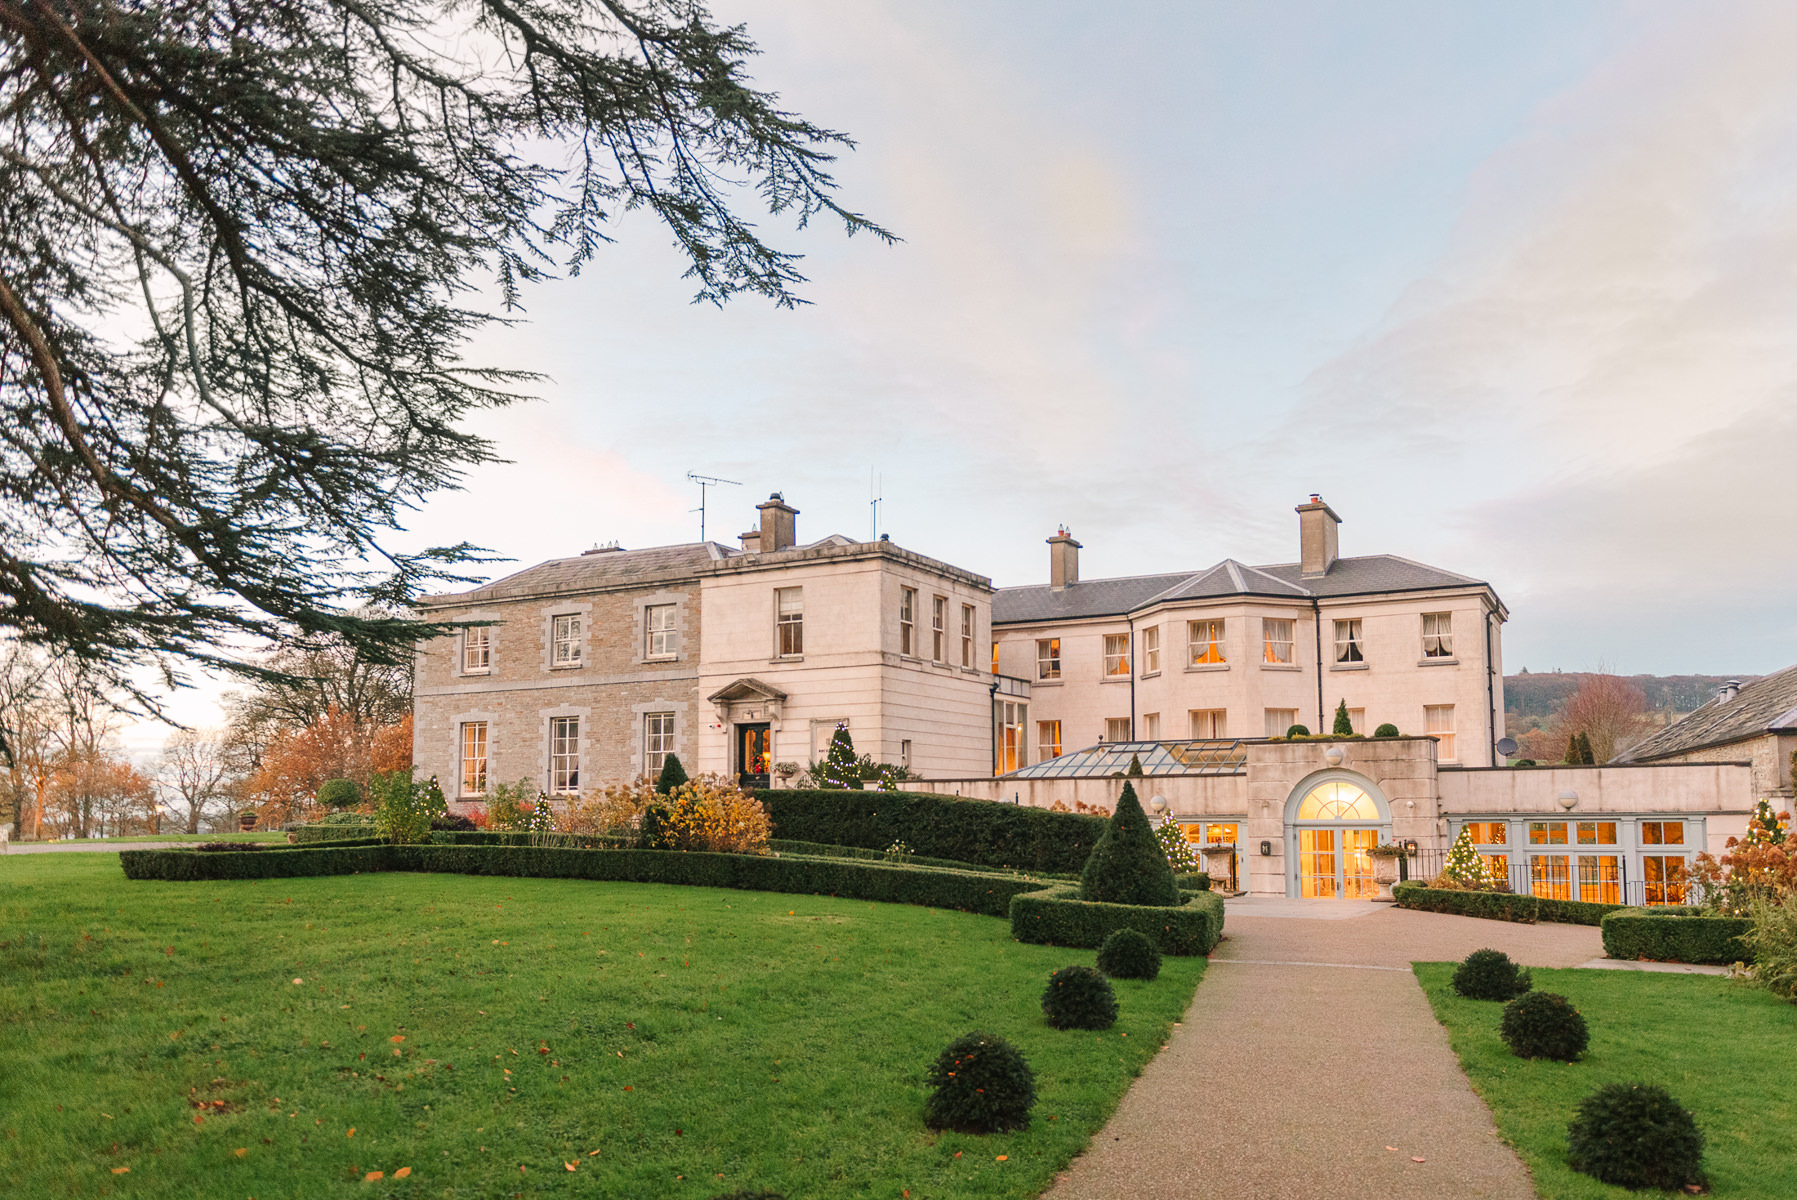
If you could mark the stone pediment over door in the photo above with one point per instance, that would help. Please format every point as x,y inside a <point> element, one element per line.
<point>748,699</point>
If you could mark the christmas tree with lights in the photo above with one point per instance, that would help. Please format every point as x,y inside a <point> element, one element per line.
<point>1464,866</point>
<point>840,768</point>
<point>1763,828</point>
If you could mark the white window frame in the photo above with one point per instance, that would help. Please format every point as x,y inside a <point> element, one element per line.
<point>564,640</point>
<point>1048,740</point>
<point>658,741</point>
<point>1116,655</point>
<point>1438,635</point>
<point>1151,727</point>
<point>475,753</point>
<point>1270,654</point>
<point>1151,650</point>
<point>477,649</point>
<point>1438,722</point>
<point>658,631</point>
<point>1276,726</point>
<point>789,622</point>
<point>1204,643</point>
<point>564,755</point>
<point>1048,658</point>
<point>1350,646</point>
<point>967,636</point>
<point>908,622</point>
<point>1207,723</point>
<point>939,629</point>
<point>1118,726</point>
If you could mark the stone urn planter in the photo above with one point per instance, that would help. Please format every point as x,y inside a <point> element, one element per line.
<point>1385,870</point>
<point>1216,865</point>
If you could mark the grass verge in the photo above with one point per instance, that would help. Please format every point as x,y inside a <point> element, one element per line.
<point>1720,1048</point>
<point>285,1038</point>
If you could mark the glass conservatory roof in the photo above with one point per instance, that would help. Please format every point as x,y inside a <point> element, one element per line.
<point>1221,756</point>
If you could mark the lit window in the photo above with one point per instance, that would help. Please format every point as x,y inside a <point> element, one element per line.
<point>967,636</point>
<point>789,621</point>
<point>1597,833</point>
<point>1116,654</point>
<point>1438,635</point>
<point>658,626</point>
<point>1204,641</point>
<point>1151,650</point>
<point>1116,729</point>
<point>1599,878</point>
<point>1151,727</point>
<point>1048,740</point>
<point>564,754</point>
<point>1011,734</point>
<point>1438,722</point>
<point>1488,833</point>
<point>1279,720</point>
<point>658,741</point>
<point>1276,633</point>
<point>477,649</point>
<point>565,637</point>
<point>908,621</point>
<point>1550,876</point>
<point>1547,833</point>
<point>1347,642</point>
<point>1662,833</point>
<point>939,629</point>
<point>1048,658</point>
<point>474,758</point>
<point>1207,722</point>
<point>1337,801</point>
<point>995,658</point>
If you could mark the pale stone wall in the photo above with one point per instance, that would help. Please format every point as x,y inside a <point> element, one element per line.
<point>1394,684</point>
<point>1769,754</point>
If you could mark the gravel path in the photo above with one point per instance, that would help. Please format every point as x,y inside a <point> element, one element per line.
<point>1309,1065</point>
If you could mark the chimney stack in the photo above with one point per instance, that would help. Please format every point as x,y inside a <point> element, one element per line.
<point>751,541</point>
<point>779,529</point>
<point>1317,537</point>
<point>1063,560</point>
<point>1728,691</point>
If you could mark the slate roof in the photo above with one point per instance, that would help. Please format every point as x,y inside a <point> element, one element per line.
<point>1368,575</point>
<point>1767,704</point>
<point>584,572</point>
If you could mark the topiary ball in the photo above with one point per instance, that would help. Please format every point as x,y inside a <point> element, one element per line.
<point>1129,954</point>
<point>1386,730</point>
<point>1298,731</point>
<point>982,1085</point>
<point>1543,1025</point>
<point>1490,975</point>
<point>339,793</point>
<point>1635,1136</point>
<point>1079,998</point>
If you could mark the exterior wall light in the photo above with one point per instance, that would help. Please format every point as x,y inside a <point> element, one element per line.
<point>1266,849</point>
<point>1158,804</point>
<point>1568,798</point>
<point>1333,756</point>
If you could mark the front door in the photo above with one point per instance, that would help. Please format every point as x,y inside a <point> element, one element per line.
<point>754,743</point>
<point>1335,863</point>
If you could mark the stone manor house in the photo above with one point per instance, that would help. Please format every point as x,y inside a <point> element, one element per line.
<point>743,660</point>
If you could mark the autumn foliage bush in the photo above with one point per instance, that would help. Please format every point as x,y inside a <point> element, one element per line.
<point>707,812</point>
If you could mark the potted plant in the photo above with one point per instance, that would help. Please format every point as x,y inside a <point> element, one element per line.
<point>1385,858</point>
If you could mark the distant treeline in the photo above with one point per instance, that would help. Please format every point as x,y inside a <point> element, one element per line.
<point>1534,694</point>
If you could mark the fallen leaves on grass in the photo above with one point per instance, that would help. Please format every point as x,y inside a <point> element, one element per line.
<point>572,1166</point>
<point>402,1172</point>
<point>121,1170</point>
<point>372,1176</point>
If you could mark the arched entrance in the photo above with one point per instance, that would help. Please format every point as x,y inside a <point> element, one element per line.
<point>1332,822</point>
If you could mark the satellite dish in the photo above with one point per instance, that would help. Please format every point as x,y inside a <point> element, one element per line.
<point>1506,746</point>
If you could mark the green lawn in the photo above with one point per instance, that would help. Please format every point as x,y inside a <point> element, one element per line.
<point>1722,1049</point>
<point>286,1037</point>
<point>234,836</point>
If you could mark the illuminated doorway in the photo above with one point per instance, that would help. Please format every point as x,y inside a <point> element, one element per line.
<point>1333,824</point>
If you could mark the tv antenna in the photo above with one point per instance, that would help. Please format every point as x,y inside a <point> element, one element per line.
<point>705,481</point>
<point>876,486</point>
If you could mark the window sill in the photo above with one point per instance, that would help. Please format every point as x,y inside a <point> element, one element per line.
<point>785,658</point>
<point>1151,674</point>
<point>660,658</point>
<point>573,666</point>
<point>1222,666</point>
<point>1438,662</point>
<point>1266,666</point>
<point>1349,666</point>
<point>1046,682</point>
<point>1114,679</point>
<point>477,674</point>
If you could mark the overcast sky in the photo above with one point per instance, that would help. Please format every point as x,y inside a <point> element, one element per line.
<point>1513,285</point>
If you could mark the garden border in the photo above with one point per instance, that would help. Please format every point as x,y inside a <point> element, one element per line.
<point>1501,906</point>
<point>1676,937</point>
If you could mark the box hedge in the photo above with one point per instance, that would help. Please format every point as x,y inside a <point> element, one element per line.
<point>1056,916</point>
<point>982,832</point>
<point>1501,906</point>
<point>1675,937</point>
<point>819,850</point>
<point>968,891</point>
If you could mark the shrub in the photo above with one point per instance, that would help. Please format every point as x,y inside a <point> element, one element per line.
<point>1387,730</point>
<point>1490,975</point>
<point>672,775</point>
<point>982,832</point>
<point>1344,724</point>
<point>510,806</point>
<point>1128,865</point>
<point>1635,1135</point>
<point>705,813</point>
<point>1056,916</point>
<point>1634,934</point>
<point>339,793</point>
<point>217,846</point>
<point>405,807</point>
<point>982,1085</point>
<point>1128,954</point>
<point>453,823</point>
<point>1298,731</point>
<point>1499,906</point>
<point>1544,1025</point>
<point>1772,942</point>
<point>1079,998</point>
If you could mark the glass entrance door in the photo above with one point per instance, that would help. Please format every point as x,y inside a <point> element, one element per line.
<point>1337,863</point>
<point>754,743</point>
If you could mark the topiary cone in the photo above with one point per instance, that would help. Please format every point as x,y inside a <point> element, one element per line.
<point>1128,865</point>
<point>672,775</point>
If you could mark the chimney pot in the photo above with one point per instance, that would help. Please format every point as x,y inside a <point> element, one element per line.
<point>751,541</point>
<point>1318,544</point>
<point>1728,691</point>
<point>1063,560</point>
<point>779,525</point>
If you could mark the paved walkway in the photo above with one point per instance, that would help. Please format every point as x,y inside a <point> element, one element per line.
<point>1310,1065</point>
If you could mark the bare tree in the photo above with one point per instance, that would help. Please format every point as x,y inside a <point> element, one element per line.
<point>23,731</point>
<point>1609,710</point>
<point>196,769</point>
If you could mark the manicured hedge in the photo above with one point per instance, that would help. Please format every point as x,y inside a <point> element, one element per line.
<point>1501,906</point>
<point>819,850</point>
<point>308,834</point>
<point>1663,937</point>
<point>981,832</point>
<point>1058,917</point>
<point>1192,881</point>
<point>969,891</point>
